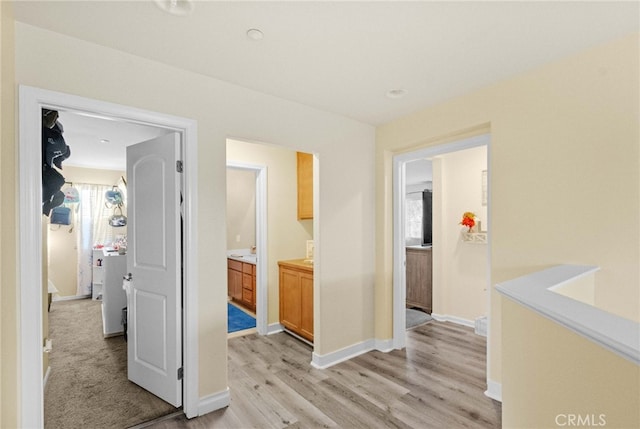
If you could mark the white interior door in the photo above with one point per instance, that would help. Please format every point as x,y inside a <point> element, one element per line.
<point>154,264</point>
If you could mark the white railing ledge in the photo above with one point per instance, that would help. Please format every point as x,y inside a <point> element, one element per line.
<point>535,291</point>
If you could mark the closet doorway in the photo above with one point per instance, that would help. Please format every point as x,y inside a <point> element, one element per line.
<point>32,101</point>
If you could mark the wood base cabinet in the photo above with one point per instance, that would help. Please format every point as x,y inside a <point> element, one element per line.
<point>241,286</point>
<point>296,297</point>
<point>419,278</point>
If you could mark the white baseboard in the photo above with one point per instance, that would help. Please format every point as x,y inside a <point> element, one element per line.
<point>274,328</point>
<point>216,401</point>
<point>384,346</point>
<point>453,319</point>
<point>46,376</point>
<point>330,359</point>
<point>70,298</point>
<point>494,390</point>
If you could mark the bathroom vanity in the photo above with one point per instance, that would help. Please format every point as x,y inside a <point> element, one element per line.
<point>241,278</point>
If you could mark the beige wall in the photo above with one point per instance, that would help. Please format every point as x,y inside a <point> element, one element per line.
<point>286,235</point>
<point>564,175</point>
<point>62,249</point>
<point>223,110</point>
<point>8,219</point>
<point>460,269</point>
<point>550,373</point>
<point>241,208</point>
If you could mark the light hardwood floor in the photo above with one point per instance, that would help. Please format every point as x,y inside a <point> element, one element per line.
<point>438,381</point>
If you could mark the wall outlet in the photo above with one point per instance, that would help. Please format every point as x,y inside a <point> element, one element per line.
<point>238,238</point>
<point>47,346</point>
<point>310,249</point>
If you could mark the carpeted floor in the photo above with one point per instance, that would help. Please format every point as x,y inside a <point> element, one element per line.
<point>416,318</point>
<point>88,385</point>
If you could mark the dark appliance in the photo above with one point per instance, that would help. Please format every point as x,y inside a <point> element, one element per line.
<point>427,221</point>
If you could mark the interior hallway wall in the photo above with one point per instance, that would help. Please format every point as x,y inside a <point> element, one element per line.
<point>222,110</point>
<point>9,384</point>
<point>564,175</point>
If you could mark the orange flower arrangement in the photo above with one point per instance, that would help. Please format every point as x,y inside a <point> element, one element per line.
<point>468,220</point>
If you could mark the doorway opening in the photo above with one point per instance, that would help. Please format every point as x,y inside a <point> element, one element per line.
<point>253,249</point>
<point>440,233</point>
<point>277,214</point>
<point>30,285</point>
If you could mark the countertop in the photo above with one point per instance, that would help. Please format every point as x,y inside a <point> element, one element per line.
<point>419,247</point>
<point>250,259</point>
<point>297,264</point>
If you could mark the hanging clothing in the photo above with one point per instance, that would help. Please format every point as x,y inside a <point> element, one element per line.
<point>54,151</point>
<point>54,148</point>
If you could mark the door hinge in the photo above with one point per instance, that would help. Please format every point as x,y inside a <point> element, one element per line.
<point>179,166</point>
<point>180,373</point>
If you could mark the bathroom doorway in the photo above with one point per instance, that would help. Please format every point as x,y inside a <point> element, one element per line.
<point>250,246</point>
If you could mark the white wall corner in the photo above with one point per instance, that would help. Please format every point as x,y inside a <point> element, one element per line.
<point>330,359</point>
<point>216,401</point>
<point>384,346</point>
<point>494,390</point>
<point>274,328</point>
<point>46,376</point>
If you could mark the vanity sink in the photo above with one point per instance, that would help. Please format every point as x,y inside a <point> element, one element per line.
<point>251,259</point>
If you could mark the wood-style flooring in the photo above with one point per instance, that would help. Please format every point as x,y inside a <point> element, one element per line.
<point>438,381</point>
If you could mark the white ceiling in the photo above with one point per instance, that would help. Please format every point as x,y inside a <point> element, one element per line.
<point>344,56</point>
<point>86,137</point>
<point>418,172</point>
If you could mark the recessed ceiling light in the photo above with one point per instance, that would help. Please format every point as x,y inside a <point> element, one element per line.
<point>255,34</point>
<point>176,7</point>
<point>396,93</point>
<point>105,141</point>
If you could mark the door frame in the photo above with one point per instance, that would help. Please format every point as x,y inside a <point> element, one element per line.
<point>29,285</point>
<point>262,297</point>
<point>399,256</point>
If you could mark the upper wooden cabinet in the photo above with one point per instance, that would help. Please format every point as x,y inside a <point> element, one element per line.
<point>305,185</point>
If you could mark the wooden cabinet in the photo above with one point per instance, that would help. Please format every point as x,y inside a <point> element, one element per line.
<point>305,186</point>
<point>241,286</point>
<point>296,297</point>
<point>419,278</point>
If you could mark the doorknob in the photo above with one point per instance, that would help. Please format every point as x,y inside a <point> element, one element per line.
<point>128,277</point>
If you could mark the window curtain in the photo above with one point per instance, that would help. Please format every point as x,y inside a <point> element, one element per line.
<point>418,221</point>
<point>413,219</point>
<point>92,228</point>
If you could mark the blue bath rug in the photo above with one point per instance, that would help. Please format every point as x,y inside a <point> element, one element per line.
<point>238,320</point>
